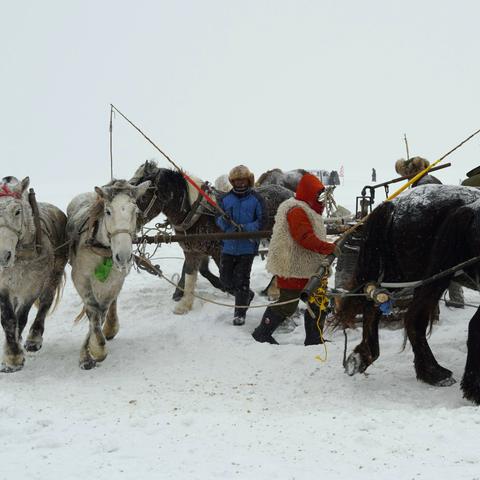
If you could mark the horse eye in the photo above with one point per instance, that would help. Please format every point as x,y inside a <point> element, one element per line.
<point>108,212</point>
<point>17,213</point>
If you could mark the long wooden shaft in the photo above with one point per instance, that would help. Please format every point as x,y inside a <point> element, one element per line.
<point>164,238</point>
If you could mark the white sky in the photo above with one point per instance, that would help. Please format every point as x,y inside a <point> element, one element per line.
<point>288,84</point>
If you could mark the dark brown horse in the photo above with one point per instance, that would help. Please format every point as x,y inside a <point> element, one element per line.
<point>421,233</point>
<point>172,196</point>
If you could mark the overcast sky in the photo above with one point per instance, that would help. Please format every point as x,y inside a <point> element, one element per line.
<point>288,84</point>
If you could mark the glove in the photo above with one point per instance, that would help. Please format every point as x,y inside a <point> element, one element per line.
<point>225,216</point>
<point>327,266</point>
<point>335,250</point>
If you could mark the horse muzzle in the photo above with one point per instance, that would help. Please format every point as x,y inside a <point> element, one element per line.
<point>123,261</point>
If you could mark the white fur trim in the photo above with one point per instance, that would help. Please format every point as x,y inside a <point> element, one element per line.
<point>286,257</point>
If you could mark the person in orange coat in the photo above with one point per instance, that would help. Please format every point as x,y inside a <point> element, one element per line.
<point>297,250</point>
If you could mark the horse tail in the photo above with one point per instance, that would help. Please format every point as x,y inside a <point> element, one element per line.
<point>369,266</point>
<point>58,293</point>
<point>56,297</point>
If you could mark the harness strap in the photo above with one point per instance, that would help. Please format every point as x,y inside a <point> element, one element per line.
<point>36,220</point>
<point>194,214</point>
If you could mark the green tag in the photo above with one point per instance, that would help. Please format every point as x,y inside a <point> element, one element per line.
<point>103,270</point>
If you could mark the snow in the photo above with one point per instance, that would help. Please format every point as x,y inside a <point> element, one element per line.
<point>193,397</point>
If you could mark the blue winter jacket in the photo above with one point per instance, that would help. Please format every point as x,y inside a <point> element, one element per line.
<point>247,210</point>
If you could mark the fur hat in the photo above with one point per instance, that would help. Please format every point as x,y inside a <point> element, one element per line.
<point>412,166</point>
<point>241,171</point>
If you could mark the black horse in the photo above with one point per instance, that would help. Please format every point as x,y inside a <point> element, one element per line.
<point>173,197</point>
<point>419,234</point>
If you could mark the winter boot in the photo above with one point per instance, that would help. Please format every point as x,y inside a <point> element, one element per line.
<point>270,321</point>
<point>312,333</point>
<point>242,298</point>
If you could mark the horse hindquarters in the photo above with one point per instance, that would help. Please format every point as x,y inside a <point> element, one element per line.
<point>471,377</point>
<point>50,294</point>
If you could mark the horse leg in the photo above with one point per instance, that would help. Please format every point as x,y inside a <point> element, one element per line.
<point>93,349</point>
<point>416,321</point>
<point>53,289</point>
<point>178,293</point>
<point>13,358</point>
<point>111,325</point>
<point>206,273</point>
<point>192,263</point>
<point>471,377</point>
<point>368,350</point>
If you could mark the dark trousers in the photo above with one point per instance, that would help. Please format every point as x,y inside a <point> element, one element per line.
<point>275,315</point>
<point>235,276</point>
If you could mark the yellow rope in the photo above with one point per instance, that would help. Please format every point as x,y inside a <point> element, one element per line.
<point>320,299</point>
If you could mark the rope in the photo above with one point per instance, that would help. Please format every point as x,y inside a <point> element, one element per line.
<point>155,270</point>
<point>319,298</point>
<point>185,176</point>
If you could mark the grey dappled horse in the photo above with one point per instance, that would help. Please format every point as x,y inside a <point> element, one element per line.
<point>100,227</point>
<point>30,272</point>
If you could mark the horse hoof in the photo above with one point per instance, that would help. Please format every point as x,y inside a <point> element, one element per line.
<point>176,297</point>
<point>446,382</point>
<point>181,309</point>
<point>4,368</point>
<point>88,364</point>
<point>353,363</point>
<point>32,346</point>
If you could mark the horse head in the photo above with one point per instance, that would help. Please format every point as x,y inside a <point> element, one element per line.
<point>118,203</point>
<point>16,221</point>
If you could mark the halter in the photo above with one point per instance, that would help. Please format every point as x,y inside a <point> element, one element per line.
<point>6,192</point>
<point>120,230</point>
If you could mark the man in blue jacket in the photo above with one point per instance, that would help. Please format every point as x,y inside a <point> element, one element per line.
<point>245,207</point>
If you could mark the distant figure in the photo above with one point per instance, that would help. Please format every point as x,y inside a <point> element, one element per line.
<point>334,178</point>
<point>374,175</point>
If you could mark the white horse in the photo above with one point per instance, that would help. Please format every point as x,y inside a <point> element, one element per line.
<point>32,263</point>
<point>100,227</point>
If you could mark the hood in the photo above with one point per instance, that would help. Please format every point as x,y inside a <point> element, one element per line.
<point>308,190</point>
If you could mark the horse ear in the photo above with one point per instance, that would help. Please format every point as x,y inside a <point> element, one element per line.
<point>100,192</point>
<point>24,184</point>
<point>141,189</point>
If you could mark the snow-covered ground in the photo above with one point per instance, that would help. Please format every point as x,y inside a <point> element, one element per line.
<point>193,397</point>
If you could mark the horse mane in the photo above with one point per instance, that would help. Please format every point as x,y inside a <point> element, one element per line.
<point>264,175</point>
<point>95,212</point>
